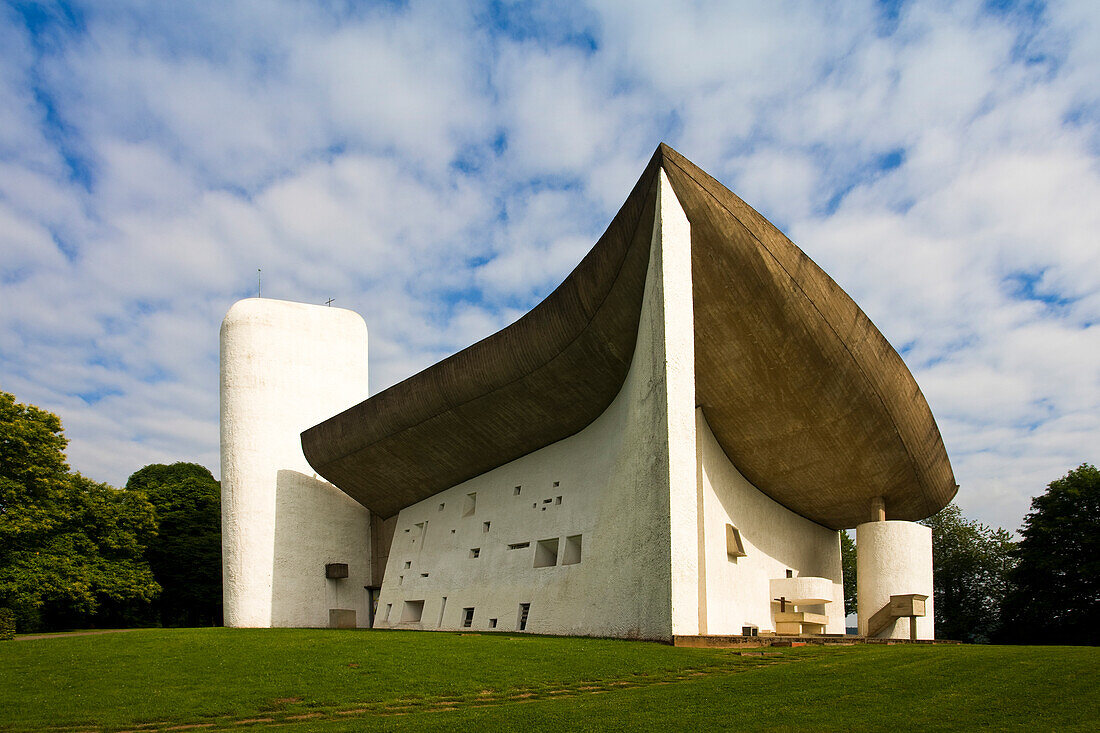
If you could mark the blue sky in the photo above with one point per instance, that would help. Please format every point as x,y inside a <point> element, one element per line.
<point>439,168</point>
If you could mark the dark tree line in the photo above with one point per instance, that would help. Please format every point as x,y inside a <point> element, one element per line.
<point>78,553</point>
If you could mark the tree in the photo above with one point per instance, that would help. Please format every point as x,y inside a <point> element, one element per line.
<point>186,554</point>
<point>848,568</point>
<point>1055,587</point>
<point>970,563</point>
<point>70,548</point>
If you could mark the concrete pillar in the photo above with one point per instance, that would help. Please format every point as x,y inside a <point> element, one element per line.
<point>894,558</point>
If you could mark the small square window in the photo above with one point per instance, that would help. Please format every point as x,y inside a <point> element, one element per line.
<point>492,623</point>
<point>408,564</point>
<point>546,553</point>
<point>441,506</point>
<point>475,552</point>
<point>557,484</point>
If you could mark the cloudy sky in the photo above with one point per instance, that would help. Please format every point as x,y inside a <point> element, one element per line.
<point>440,167</point>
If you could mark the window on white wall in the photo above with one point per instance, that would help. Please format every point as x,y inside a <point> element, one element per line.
<point>467,617</point>
<point>572,553</point>
<point>546,553</point>
<point>475,552</point>
<point>524,612</point>
<point>734,547</point>
<point>469,506</point>
<point>412,612</point>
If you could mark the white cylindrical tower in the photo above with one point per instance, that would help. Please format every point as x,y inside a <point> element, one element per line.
<point>894,558</point>
<point>284,367</point>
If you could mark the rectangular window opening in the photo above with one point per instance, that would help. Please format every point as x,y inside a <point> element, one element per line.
<point>408,564</point>
<point>388,607</point>
<point>515,491</point>
<point>557,500</point>
<point>485,526</point>
<point>475,552</point>
<point>442,505</point>
<point>547,501</point>
<point>734,547</point>
<point>572,553</point>
<point>442,608</point>
<point>492,623</point>
<point>412,612</point>
<point>546,553</point>
<point>749,631</point>
<point>519,545</point>
<point>470,505</point>
<point>557,484</point>
<point>400,579</point>
<point>467,617</point>
<point>524,611</point>
<point>423,575</point>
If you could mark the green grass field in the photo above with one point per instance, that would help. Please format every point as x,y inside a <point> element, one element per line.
<point>328,680</point>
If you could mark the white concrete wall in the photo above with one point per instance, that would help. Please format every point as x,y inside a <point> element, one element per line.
<point>615,483</point>
<point>736,590</point>
<point>285,367</point>
<point>894,558</point>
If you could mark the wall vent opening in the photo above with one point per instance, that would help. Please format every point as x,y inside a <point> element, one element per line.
<point>524,611</point>
<point>518,545</point>
<point>572,553</point>
<point>412,612</point>
<point>475,552</point>
<point>467,617</point>
<point>546,553</point>
<point>470,505</point>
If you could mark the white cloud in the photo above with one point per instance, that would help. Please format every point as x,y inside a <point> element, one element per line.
<point>439,169</point>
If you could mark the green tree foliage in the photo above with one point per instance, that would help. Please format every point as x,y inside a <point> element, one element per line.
<point>70,548</point>
<point>970,564</point>
<point>186,554</point>
<point>848,566</point>
<point>1055,587</point>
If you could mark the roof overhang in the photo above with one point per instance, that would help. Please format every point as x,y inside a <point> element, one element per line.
<point>803,393</point>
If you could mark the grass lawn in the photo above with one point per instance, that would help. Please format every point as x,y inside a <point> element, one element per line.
<point>333,680</point>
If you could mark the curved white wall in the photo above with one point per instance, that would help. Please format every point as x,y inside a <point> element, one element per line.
<point>285,367</point>
<point>736,591</point>
<point>894,558</point>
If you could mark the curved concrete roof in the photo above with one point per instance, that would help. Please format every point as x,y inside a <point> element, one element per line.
<point>806,397</point>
